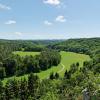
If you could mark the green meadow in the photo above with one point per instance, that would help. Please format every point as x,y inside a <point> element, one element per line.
<point>67,59</point>
<point>22,53</point>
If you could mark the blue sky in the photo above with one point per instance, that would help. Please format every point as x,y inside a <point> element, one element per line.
<point>49,19</point>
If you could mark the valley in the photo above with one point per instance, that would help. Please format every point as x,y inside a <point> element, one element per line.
<point>67,59</point>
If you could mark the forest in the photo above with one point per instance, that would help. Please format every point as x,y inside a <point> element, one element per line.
<point>76,84</point>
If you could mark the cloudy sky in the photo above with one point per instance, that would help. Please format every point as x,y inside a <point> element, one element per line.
<point>49,19</point>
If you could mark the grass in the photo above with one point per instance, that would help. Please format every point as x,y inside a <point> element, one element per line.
<point>22,54</point>
<point>68,58</point>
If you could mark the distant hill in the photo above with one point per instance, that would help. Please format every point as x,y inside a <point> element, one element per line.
<point>84,45</point>
<point>27,45</point>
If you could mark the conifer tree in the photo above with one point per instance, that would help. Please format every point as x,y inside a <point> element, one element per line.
<point>33,82</point>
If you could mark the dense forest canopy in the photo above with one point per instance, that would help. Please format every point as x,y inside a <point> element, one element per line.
<point>84,45</point>
<point>75,81</point>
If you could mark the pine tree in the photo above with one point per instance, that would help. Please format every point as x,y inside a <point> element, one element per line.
<point>52,76</point>
<point>67,74</point>
<point>23,91</point>
<point>56,76</point>
<point>1,90</point>
<point>8,91</point>
<point>33,82</point>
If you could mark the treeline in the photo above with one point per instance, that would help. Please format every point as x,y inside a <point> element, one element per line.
<point>5,52</point>
<point>27,45</point>
<point>30,89</point>
<point>23,45</point>
<point>85,45</point>
<point>16,65</point>
<point>20,90</point>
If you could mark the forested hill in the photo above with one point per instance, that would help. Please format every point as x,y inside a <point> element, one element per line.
<point>84,45</point>
<point>8,46</point>
<point>27,45</point>
<point>36,42</point>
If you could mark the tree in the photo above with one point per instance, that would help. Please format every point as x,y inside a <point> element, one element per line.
<point>96,68</point>
<point>33,82</point>
<point>73,68</point>
<point>56,75</point>
<point>23,90</point>
<point>77,64</point>
<point>2,73</point>
<point>67,74</point>
<point>10,66</point>
<point>52,76</point>
<point>8,91</point>
<point>1,90</point>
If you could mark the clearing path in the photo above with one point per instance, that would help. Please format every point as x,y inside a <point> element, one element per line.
<point>62,68</point>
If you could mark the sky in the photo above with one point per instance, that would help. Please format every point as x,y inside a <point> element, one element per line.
<point>49,19</point>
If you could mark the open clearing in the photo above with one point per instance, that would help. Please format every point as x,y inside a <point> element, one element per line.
<point>67,59</point>
<point>22,53</point>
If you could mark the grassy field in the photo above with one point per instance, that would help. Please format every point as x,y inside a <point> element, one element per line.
<point>22,54</point>
<point>68,58</point>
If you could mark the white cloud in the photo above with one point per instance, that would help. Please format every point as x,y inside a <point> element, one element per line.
<point>4,7</point>
<point>60,18</point>
<point>47,23</point>
<point>18,33</point>
<point>52,2</point>
<point>9,22</point>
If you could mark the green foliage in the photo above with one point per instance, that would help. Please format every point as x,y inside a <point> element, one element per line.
<point>56,75</point>
<point>74,68</point>
<point>10,66</point>
<point>52,76</point>
<point>17,65</point>
<point>33,84</point>
<point>96,68</point>
<point>67,74</point>
<point>23,90</point>
<point>80,74</point>
<point>2,73</point>
<point>87,46</point>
